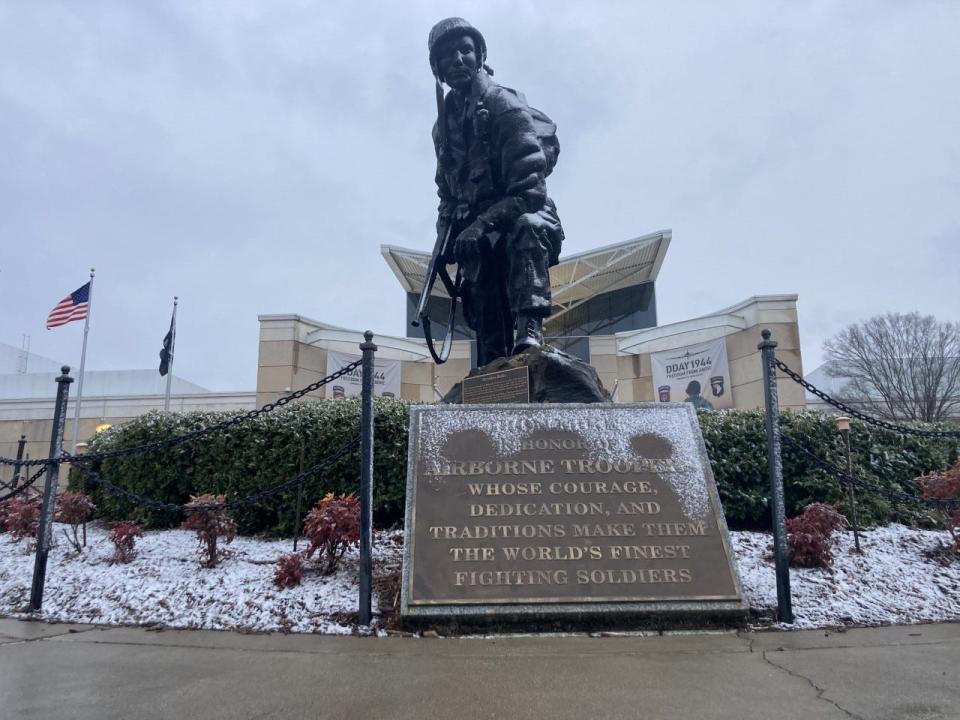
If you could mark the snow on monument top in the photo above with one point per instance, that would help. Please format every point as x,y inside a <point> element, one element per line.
<point>606,432</point>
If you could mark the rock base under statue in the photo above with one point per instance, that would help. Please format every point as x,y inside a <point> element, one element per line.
<point>555,377</point>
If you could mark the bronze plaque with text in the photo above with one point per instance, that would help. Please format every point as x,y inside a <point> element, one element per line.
<point>503,386</point>
<point>569,508</point>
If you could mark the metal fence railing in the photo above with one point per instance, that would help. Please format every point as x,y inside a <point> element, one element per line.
<point>88,466</point>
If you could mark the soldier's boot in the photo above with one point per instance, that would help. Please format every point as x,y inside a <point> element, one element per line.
<point>529,332</point>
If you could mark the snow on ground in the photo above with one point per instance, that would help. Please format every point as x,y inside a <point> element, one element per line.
<point>893,582</point>
<point>165,585</point>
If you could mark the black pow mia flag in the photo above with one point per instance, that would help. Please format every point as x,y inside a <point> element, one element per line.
<point>167,351</point>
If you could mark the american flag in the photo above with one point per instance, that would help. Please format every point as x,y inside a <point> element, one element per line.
<point>73,307</point>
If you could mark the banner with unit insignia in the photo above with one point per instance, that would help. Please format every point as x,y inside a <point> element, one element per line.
<point>386,376</point>
<point>697,374</point>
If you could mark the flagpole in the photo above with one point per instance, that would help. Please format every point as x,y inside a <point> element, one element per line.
<point>83,362</point>
<point>173,342</point>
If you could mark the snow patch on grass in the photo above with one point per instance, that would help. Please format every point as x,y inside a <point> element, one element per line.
<point>165,586</point>
<point>894,581</point>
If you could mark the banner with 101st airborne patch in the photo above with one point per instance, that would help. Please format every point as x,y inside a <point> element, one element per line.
<point>386,376</point>
<point>697,374</point>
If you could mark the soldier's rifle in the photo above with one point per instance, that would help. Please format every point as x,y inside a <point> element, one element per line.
<point>437,267</point>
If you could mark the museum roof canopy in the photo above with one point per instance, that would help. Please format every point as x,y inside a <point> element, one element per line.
<point>576,279</point>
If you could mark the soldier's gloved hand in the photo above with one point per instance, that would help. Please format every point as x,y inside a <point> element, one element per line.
<point>466,248</point>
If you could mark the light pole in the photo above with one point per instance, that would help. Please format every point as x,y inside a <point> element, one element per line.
<point>843,427</point>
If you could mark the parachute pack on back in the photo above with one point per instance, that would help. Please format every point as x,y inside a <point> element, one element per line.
<point>546,132</point>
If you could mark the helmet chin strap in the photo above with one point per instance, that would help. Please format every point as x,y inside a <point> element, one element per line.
<point>441,114</point>
<point>441,106</point>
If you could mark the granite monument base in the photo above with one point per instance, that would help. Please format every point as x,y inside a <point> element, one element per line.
<point>604,515</point>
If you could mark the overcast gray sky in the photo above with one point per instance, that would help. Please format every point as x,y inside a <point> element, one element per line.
<point>251,157</point>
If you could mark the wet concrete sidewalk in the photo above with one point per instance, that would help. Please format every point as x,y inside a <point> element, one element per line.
<point>79,672</point>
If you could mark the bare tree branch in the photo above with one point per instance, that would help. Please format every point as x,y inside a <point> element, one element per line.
<point>902,367</point>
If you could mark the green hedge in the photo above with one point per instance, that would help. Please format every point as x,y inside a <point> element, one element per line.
<point>252,456</point>
<point>737,445</point>
<point>257,454</point>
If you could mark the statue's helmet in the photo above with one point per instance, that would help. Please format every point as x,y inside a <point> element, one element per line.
<point>454,26</point>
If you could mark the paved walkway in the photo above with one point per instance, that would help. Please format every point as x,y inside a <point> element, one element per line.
<point>78,672</point>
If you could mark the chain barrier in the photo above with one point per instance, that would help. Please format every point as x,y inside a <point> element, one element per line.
<point>898,497</point>
<point>903,429</point>
<point>27,485</point>
<point>143,501</point>
<point>187,437</point>
<point>24,463</point>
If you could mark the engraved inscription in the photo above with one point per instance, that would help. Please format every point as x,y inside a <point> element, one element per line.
<point>558,522</point>
<point>504,386</point>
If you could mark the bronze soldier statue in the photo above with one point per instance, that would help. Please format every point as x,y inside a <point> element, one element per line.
<point>495,220</point>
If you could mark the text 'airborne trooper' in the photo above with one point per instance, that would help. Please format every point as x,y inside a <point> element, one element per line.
<point>494,153</point>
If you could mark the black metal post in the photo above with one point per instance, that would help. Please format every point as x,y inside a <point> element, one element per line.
<point>777,511</point>
<point>366,479</point>
<point>45,530</point>
<point>21,444</point>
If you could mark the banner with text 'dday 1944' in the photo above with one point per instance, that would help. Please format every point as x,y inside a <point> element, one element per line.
<point>698,374</point>
<point>386,376</point>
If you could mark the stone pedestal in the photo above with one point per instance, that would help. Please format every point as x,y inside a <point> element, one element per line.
<point>555,377</point>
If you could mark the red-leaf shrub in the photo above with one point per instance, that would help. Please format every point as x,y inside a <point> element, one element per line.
<point>3,514</point>
<point>331,527</point>
<point>289,570</point>
<point>21,516</point>
<point>211,524</point>
<point>810,535</point>
<point>73,508</point>
<point>945,487</point>
<point>124,536</point>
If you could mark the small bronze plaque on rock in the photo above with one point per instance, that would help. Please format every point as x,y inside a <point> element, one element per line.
<point>504,386</point>
<point>544,511</point>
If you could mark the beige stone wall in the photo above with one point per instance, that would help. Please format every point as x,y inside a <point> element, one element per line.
<point>34,418</point>
<point>635,377</point>
<point>293,354</point>
<point>746,372</point>
<point>277,359</point>
<point>288,365</point>
<point>285,362</point>
<point>38,438</point>
<point>37,433</point>
<point>603,357</point>
<point>416,381</point>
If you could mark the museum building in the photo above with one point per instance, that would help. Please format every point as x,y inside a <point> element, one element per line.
<point>605,313</point>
